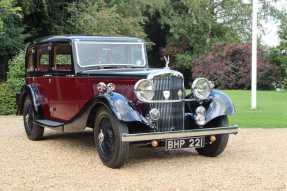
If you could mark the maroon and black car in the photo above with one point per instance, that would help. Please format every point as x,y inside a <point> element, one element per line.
<point>104,83</point>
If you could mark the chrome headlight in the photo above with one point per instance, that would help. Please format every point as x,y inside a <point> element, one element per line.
<point>144,90</point>
<point>201,88</point>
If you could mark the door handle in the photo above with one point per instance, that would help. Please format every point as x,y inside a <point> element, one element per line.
<point>49,79</point>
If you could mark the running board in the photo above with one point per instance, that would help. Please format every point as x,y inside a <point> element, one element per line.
<point>49,123</point>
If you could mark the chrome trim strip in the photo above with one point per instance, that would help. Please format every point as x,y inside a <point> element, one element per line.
<point>77,41</point>
<point>179,134</point>
<point>164,72</point>
<point>103,42</point>
<point>169,101</point>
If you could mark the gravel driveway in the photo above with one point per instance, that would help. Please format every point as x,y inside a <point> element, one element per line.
<point>255,159</point>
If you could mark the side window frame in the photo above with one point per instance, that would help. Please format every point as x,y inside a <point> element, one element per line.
<point>62,73</point>
<point>36,61</point>
<point>27,60</point>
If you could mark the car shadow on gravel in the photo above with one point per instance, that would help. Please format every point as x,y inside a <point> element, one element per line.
<point>83,138</point>
<point>136,154</point>
<point>140,153</point>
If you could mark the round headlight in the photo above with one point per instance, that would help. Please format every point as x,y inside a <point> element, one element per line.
<point>201,88</point>
<point>144,90</point>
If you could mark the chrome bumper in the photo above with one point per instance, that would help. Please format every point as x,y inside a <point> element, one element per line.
<point>179,134</point>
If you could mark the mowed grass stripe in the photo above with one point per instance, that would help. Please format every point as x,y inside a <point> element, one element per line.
<point>271,109</point>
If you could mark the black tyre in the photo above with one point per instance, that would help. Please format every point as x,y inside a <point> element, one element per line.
<point>34,132</point>
<point>108,139</point>
<point>216,148</point>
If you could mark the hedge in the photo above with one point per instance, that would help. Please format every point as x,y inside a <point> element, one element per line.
<point>7,100</point>
<point>16,72</point>
<point>14,83</point>
<point>229,66</point>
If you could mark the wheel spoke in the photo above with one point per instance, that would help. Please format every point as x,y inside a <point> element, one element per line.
<point>106,137</point>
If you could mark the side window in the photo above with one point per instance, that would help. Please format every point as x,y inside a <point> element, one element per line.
<point>43,58</point>
<point>30,59</point>
<point>62,58</point>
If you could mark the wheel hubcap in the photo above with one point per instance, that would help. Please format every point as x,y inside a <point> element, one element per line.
<point>106,138</point>
<point>27,118</point>
<point>101,137</point>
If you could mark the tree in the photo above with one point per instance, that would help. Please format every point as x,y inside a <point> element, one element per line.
<point>200,24</point>
<point>278,55</point>
<point>12,37</point>
<point>46,17</point>
<point>6,9</point>
<point>106,18</point>
<point>11,33</point>
<point>192,27</point>
<point>11,28</point>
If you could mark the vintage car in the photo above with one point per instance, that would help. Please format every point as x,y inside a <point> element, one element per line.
<point>105,83</point>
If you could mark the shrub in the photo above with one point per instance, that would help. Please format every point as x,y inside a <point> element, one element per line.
<point>277,56</point>
<point>16,72</point>
<point>229,66</point>
<point>14,83</point>
<point>7,100</point>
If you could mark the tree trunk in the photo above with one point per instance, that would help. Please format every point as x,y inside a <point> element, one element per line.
<point>3,68</point>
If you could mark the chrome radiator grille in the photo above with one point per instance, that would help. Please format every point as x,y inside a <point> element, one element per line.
<point>172,114</point>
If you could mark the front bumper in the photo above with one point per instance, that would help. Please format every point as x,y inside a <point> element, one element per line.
<point>179,134</point>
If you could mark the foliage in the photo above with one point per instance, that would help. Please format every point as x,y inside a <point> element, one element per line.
<point>14,83</point>
<point>12,37</point>
<point>279,58</point>
<point>44,18</point>
<point>7,9</point>
<point>229,66</point>
<point>100,18</point>
<point>7,100</point>
<point>11,28</point>
<point>16,72</point>
<point>197,25</point>
<point>93,17</point>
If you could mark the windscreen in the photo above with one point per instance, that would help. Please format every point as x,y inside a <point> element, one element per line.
<point>91,54</point>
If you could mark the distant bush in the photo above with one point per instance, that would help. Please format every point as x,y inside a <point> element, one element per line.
<point>229,66</point>
<point>14,83</point>
<point>7,100</point>
<point>278,57</point>
<point>15,79</point>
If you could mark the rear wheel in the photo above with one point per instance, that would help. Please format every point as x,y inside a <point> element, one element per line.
<point>108,139</point>
<point>217,147</point>
<point>33,131</point>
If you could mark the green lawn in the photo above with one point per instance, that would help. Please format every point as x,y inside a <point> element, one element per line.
<point>271,109</point>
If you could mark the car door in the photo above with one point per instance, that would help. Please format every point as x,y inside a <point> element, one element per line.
<point>42,77</point>
<point>66,105</point>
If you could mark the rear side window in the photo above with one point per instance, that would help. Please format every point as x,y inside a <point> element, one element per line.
<point>43,58</point>
<point>30,59</point>
<point>62,58</point>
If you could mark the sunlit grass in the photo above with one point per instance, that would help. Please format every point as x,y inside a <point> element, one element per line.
<point>271,109</point>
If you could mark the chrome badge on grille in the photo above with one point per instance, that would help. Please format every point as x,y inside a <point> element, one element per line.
<point>166,94</point>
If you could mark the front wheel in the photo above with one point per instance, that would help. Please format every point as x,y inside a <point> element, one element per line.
<point>34,132</point>
<point>213,149</point>
<point>108,139</point>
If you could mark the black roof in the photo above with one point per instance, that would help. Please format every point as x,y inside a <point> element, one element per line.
<point>86,37</point>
